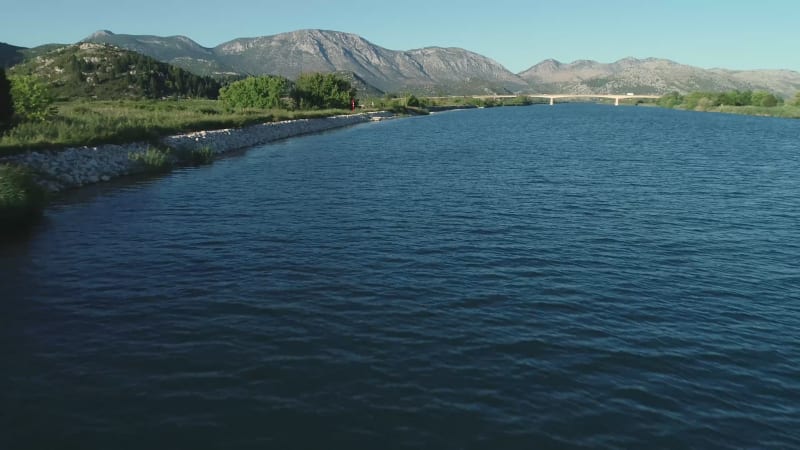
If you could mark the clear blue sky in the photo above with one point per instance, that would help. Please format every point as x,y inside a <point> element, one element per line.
<point>735,34</point>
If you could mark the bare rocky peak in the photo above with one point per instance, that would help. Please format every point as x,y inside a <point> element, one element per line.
<point>100,34</point>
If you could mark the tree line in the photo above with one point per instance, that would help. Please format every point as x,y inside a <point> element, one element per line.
<point>705,100</point>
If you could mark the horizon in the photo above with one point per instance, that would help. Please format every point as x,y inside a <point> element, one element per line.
<point>740,36</point>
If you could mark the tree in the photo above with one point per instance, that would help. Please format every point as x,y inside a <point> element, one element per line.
<point>32,99</point>
<point>764,98</point>
<point>796,101</point>
<point>6,102</point>
<point>263,92</point>
<point>316,90</point>
<point>670,100</point>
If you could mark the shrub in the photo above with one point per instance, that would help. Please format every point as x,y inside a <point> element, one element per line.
<point>21,199</point>
<point>32,99</point>
<point>412,100</point>
<point>255,92</point>
<point>318,91</point>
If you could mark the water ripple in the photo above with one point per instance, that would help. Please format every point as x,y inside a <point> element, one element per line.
<point>571,277</point>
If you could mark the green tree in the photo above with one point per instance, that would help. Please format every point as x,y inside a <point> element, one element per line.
<point>412,101</point>
<point>796,101</point>
<point>32,99</point>
<point>670,100</point>
<point>316,90</point>
<point>256,92</point>
<point>6,102</point>
<point>764,98</point>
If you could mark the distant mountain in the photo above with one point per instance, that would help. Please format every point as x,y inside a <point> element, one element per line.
<point>101,71</point>
<point>432,70</point>
<point>652,76</point>
<point>176,50</point>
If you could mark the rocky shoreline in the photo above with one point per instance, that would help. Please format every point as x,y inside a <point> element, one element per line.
<point>58,170</point>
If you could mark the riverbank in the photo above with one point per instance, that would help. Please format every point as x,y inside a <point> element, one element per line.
<point>60,169</point>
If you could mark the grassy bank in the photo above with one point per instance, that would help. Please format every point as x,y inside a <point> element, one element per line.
<point>102,122</point>
<point>786,111</point>
<point>21,199</point>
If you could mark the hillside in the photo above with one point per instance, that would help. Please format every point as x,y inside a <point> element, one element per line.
<point>106,72</point>
<point>651,76</point>
<point>10,54</point>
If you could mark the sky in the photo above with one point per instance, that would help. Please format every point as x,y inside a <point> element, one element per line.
<point>733,34</point>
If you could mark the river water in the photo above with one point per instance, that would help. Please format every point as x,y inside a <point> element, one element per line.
<point>577,276</point>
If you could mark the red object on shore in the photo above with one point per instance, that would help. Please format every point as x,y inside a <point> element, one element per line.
<point>352,104</point>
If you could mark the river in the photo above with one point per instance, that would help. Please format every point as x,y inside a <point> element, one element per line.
<point>576,276</point>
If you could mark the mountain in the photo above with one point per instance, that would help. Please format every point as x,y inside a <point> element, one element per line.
<point>652,76</point>
<point>432,70</point>
<point>106,72</point>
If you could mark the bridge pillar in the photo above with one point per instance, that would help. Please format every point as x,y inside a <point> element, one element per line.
<point>616,101</point>
<point>551,101</point>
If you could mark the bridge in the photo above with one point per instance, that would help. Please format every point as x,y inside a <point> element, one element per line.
<point>553,97</point>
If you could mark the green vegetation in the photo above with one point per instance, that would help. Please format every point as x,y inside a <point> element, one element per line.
<point>154,159</point>
<point>322,91</point>
<point>106,72</point>
<point>6,102</point>
<point>32,99</point>
<point>21,199</point>
<point>159,159</point>
<point>200,156</point>
<point>705,100</point>
<point>759,103</point>
<point>101,122</point>
<point>256,92</point>
<point>411,104</point>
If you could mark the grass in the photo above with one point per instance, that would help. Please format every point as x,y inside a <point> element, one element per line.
<point>104,122</point>
<point>200,156</point>
<point>154,159</point>
<point>786,111</point>
<point>158,159</point>
<point>21,199</point>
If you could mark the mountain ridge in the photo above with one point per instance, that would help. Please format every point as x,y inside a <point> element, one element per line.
<point>435,70</point>
<point>653,76</point>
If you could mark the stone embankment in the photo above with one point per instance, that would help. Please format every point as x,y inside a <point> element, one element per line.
<point>79,166</point>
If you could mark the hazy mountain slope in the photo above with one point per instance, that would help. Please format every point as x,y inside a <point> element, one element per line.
<point>177,50</point>
<point>651,76</point>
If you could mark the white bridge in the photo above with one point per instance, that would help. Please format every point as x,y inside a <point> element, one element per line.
<point>553,97</point>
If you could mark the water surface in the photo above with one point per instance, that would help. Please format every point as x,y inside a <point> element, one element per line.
<point>577,276</point>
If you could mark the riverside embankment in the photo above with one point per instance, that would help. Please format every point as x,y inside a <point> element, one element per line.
<point>61,169</point>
